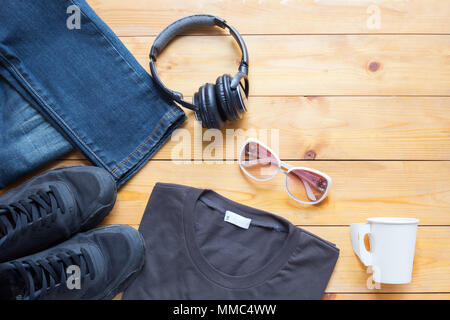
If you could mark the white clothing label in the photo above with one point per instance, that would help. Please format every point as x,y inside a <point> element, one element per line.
<point>237,220</point>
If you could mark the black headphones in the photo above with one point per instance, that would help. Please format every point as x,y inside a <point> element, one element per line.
<point>213,104</point>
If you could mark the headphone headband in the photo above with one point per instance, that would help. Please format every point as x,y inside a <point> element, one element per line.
<point>180,26</point>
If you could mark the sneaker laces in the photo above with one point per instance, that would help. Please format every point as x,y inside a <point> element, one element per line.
<point>43,275</point>
<point>18,215</point>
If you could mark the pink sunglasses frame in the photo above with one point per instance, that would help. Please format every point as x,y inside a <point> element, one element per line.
<point>284,168</point>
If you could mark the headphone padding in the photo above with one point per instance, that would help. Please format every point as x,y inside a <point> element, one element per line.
<point>199,114</point>
<point>223,94</point>
<point>211,107</point>
<point>179,27</point>
<point>206,122</point>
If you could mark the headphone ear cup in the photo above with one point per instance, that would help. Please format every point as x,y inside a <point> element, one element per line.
<point>199,114</point>
<point>204,116</point>
<point>210,107</point>
<point>238,108</point>
<point>223,95</point>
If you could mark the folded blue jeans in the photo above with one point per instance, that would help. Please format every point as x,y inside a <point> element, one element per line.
<point>63,88</point>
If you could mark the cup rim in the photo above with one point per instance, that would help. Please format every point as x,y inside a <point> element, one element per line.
<point>392,220</point>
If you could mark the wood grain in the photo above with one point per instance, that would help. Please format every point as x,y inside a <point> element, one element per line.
<point>431,262</point>
<point>369,101</point>
<point>328,128</point>
<point>361,189</point>
<point>309,65</point>
<point>149,17</point>
<point>386,296</point>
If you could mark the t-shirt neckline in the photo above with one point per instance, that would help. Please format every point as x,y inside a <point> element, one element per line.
<point>259,276</point>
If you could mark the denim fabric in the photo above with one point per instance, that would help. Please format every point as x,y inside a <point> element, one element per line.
<point>25,136</point>
<point>83,82</point>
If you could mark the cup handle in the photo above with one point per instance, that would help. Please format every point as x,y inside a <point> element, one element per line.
<point>357,233</point>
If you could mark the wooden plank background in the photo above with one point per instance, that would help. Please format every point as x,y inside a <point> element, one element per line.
<point>144,17</point>
<point>366,101</point>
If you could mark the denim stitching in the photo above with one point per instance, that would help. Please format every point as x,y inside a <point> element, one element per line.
<point>56,115</point>
<point>146,141</point>
<point>100,31</point>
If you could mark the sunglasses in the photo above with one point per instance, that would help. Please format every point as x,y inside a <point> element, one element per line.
<point>305,185</point>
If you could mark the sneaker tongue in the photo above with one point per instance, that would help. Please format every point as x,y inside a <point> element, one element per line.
<point>11,284</point>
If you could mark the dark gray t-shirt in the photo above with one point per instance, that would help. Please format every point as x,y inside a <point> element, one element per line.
<point>200,245</point>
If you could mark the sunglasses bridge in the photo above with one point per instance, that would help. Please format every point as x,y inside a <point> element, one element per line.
<point>284,167</point>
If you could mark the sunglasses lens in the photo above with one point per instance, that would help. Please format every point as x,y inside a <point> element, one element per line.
<point>306,186</point>
<point>257,161</point>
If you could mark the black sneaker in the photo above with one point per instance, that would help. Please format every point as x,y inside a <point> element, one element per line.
<point>108,259</point>
<point>52,207</point>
